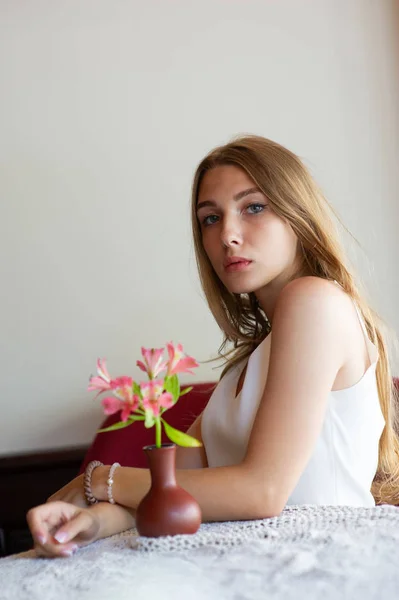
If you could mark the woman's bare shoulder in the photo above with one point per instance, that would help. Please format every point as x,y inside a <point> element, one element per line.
<point>312,284</point>
<point>311,302</point>
<point>310,292</point>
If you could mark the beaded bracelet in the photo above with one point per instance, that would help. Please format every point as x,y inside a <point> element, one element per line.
<point>90,499</point>
<point>110,481</point>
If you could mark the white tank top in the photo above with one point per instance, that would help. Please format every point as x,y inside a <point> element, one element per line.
<point>345,458</point>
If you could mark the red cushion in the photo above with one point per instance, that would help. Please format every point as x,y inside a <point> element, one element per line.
<point>125,445</point>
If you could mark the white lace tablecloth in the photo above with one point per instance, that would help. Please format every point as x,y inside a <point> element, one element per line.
<point>307,552</point>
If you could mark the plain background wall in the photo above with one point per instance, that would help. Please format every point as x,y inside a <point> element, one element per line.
<point>106,108</point>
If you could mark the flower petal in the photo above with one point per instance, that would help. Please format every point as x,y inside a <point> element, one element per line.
<point>184,365</point>
<point>102,370</point>
<point>121,382</point>
<point>97,383</point>
<point>176,353</point>
<point>111,405</point>
<point>126,410</point>
<point>151,406</point>
<point>141,366</point>
<point>153,361</point>
<point>171,350</point>
<point>166,400</point>
<point>135,402</point>
<point>152,389</point>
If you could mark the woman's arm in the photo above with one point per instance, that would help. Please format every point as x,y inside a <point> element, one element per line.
<point>306,355</point>
<point>59,528</point>
<point>186,458</point>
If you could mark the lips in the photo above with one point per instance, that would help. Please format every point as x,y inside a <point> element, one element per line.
<point>236,263</point>
<point>235,259</point>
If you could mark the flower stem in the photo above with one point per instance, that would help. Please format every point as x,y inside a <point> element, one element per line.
<point>158,430</point>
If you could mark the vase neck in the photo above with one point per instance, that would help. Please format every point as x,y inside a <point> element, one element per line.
<point>162,465</point>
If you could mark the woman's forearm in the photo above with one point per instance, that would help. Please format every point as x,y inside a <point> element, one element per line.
<point>112,519</point>
<point>222,493</point>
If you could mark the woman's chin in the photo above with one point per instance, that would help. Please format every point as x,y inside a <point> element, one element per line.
<point>237,288</point>
<point>243,283</point>
<point>245,287</point>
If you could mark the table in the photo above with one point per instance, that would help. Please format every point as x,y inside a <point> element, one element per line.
<point>312,552</point>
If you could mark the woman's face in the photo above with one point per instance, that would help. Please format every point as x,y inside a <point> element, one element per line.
<point>248,245</point>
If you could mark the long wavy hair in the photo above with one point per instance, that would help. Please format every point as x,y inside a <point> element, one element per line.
<point>295,197</point>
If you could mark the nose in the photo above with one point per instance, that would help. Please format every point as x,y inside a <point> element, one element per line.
<point>231,234</point>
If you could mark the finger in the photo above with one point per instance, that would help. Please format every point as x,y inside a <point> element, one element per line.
<point>82,527</point>
<point>37,523</point>
<point>46,545</point>
<point>55,550</point>
<point>42,519</point>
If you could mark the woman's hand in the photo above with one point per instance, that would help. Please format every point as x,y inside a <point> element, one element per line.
<point>59,528</point>
<point>72,492</point>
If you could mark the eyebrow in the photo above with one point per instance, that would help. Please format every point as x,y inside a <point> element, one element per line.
<point>237,197</point>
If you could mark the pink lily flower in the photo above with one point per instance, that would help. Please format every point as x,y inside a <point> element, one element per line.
<point>178,361</point>
<point>111,405</point>
<point>122,388</point>
<point>101,382</point>
<point>123,398</point>
<point>154,398</point>
<point>153,364</point>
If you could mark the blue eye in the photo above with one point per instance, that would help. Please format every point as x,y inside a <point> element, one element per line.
<point>209,220</point>
<point>259,208</point>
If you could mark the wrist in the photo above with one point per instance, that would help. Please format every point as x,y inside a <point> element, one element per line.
<point>99,483</point>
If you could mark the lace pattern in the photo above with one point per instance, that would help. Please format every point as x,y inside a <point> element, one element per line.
<point>310,552</point>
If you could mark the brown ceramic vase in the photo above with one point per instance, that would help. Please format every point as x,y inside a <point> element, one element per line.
<point>167,509</point>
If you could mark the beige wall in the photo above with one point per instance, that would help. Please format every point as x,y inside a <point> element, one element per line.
<point>107,106</point>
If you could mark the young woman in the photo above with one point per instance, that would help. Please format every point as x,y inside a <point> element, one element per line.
<point>304,412</point>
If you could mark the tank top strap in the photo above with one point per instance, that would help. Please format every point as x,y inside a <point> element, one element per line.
<point>364,329</point>
<point>369,343</point>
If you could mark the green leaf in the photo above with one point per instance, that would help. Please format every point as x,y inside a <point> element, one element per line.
<point>172,385</point>
<point>180,438</point>
<point>186,390</point>
<point>149,420</point>
<point>121,424</point>
<point>136,389</point>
